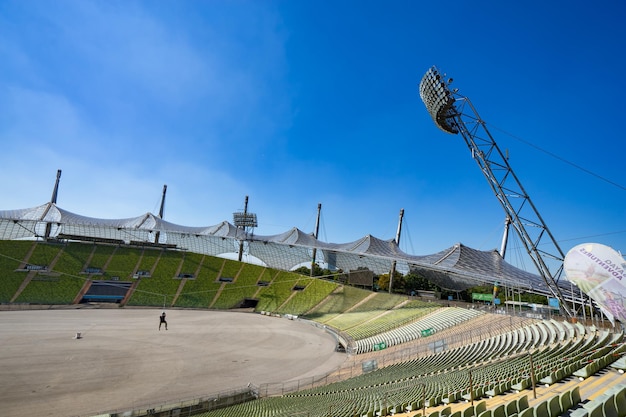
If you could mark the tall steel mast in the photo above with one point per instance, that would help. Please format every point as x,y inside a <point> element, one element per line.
<point>162,207</point>
<point>392,272</point>
<point>53,200</point>
<point>55,191</point>
<point>454,113</point>
<point>157,235</point>
<point>317,231</point>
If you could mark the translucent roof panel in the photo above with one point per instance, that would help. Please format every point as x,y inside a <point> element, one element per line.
<point>457,267</point>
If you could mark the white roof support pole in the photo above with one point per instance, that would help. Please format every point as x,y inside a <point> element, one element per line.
<point>505,236</point>
<point>317,231</point>
<point>393,264</point>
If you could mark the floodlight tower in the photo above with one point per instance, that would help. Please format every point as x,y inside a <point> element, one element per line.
<point>245,221</point>
<point>454,113</point>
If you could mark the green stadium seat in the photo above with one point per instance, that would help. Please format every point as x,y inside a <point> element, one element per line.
<point>522,404</point>
<point>528,412</point>
<point>522,384</point>
<point>597,411</point>
<point>480,407</point>
<point>511,408</point>
<point>499,411</point>
<point>608,407</point>
<point>469,411</point>
<point>451,398</point>
<point>554,406</point>
<point>541,409</point>
<point>565,400</point>
<point>433,401</point>
<point>620,402</point>
<point>494,390</point>
<point>576,395</point>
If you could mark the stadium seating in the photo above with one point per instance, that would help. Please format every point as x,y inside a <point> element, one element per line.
<point>499,363</point>
<point>436,321</point>
<point>445,377</point>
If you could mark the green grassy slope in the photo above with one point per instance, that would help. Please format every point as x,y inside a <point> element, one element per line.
<point>210,282</point>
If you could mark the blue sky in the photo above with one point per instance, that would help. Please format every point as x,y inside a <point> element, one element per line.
<point>296,103</point>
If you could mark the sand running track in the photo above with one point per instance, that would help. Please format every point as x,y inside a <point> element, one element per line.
<point>123,361</point>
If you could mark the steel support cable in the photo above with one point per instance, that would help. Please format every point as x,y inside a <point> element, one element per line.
<point>555,156</point>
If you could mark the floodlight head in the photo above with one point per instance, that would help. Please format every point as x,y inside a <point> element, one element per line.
<point>245,220</point>
<point>438,100</point>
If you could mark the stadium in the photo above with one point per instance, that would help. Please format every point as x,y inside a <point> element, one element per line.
<point>257,338</point>
<point>323,347</point>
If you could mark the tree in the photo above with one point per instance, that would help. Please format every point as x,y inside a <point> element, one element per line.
<point>317,271</point>
<point>398,282</point>
<point>303,270</point>
<point>415,282</point>
<point>383,282</point>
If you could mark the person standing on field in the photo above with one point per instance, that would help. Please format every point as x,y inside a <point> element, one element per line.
<point>162,321</point>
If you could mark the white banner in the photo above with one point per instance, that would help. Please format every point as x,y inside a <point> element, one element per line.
<point>599,271</point>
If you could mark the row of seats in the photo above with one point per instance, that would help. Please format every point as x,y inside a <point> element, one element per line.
<point>496,365</point>
<point>444,378</point>
<point>434,322</point>
<point>555,406</point>
<point>612,403</point>
<point>457,382</point>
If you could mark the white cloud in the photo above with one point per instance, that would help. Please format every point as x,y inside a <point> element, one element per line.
<point>124,101</point>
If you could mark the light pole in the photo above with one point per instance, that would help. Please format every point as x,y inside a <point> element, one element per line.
<point>471,386</point>
<point>244,221</point>
<point>423,398</point>
<point>454,113</point>
<point>532,375</point>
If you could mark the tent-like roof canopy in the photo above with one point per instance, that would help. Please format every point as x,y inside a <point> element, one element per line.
<point>457,267</point>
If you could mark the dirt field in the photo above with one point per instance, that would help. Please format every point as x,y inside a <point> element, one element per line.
<point>123,361</point>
